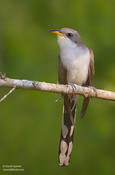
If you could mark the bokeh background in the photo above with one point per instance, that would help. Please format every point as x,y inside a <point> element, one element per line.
<point>30,121</point>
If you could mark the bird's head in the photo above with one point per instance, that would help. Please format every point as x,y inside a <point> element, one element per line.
<point>67,37</point>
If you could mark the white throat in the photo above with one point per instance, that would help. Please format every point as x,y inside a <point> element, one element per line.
<point>65,43</point>
<point>75,59</point>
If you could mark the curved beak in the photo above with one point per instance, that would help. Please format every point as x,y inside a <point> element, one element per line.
<point>57,32</point>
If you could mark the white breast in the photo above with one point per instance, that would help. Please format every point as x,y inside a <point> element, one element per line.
<point>76,60</point>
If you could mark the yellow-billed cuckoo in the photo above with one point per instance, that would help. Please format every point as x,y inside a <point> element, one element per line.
<point>75,66</point>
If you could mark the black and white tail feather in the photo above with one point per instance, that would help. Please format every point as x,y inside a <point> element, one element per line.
<point>67,132</point>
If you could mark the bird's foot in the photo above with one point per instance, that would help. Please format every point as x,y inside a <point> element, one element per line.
<point>72,86</point>
<point>94,89</point>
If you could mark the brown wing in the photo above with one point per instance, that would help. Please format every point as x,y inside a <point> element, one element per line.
<point>91,68</point>
<point>89,82</point>
<point>62,72</point>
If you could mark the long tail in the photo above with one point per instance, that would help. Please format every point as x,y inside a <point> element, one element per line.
<point>67,132</point>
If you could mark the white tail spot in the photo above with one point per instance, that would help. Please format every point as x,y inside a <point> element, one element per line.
<point>71,130</point>
<point>62,156</point>
<point>68,154</point>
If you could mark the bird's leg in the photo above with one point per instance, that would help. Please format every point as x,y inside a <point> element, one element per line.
<point>94,89</point>
<point>72,86</point>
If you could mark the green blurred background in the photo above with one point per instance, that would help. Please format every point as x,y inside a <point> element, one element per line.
<point>30,121</point>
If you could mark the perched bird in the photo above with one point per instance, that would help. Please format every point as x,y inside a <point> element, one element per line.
<point>75,66</point>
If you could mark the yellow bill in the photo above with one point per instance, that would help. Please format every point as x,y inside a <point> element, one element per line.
<point>57,32</point>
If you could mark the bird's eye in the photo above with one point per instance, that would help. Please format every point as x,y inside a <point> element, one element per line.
<point>69,34</point>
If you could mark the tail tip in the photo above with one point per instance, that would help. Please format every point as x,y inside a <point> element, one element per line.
<point>63,160</point>
<point>63,164</point>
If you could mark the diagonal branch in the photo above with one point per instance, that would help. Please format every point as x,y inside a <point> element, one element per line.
<point>6,95</point>
<point>57,88</point>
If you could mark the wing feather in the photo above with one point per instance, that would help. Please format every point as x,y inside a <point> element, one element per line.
<point>62,72</point>
<point>89,82</point>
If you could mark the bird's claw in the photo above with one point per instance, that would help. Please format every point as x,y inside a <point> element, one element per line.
<point>72,86</point>
<point>94,89</point>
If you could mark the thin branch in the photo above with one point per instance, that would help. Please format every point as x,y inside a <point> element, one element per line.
<point>57,88</point>
<point>6,95</point>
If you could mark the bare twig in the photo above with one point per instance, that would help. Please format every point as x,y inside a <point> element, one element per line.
<point>6,95</point>
<point>57,88</point>
<point>58,99</point>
